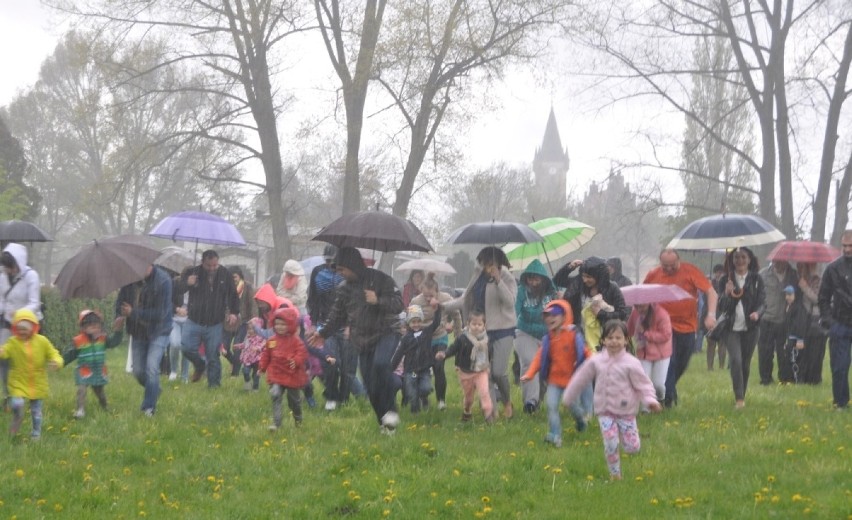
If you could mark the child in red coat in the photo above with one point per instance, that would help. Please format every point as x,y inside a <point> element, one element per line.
<point>284,361</point>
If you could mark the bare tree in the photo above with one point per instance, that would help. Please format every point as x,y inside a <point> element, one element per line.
<point>232,42</point>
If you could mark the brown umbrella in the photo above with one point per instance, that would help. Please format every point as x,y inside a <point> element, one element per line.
<point>374,230</point>
<point>105,265</point>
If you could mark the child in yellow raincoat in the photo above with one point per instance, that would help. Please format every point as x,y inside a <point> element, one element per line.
<point>30,355</point>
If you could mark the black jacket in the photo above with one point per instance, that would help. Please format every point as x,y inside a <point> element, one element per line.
<point>209,303</point>
<point>418,352</point>
<point>461,349</point>
<point>575,289</point>
<point>753,298</point>
<point>835,293</point>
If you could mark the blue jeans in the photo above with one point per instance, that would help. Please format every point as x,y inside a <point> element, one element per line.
<point>211,335</point>
<point>418,386</point>
<point>839,346</point>
<point>147,355</point>
<point>553,398</point>
<point>377,373</point>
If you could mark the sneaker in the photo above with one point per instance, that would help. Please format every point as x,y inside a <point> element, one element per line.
<point>198,373</point>
<point>247,386</point>
<point>330,406</point>
<point>530,407</point>
<point>312,403</point>
<point>581,425</point>
<point>384,430</point>
<point>442,405</point>
<point>273,427</point>
<point>466,417</point>
<point>390,420</point>
<point>557,442</point>
<point>508,410</point>
<point>80,413</point>
<point>173,376</point>
<point>34,436</point>
<point>148,412</point>
<point>489,420</point>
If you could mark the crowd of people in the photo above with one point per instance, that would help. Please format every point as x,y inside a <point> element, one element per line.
<point>576,341</point>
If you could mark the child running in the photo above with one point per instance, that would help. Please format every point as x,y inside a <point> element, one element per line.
<point>562,350</point>
<point>284,361</point>
<point>472,363</point>
<point>89,349</point>
<point>250,350</point>
<point>620,386</point>
<point>416,348</point>
<point>29,355</point>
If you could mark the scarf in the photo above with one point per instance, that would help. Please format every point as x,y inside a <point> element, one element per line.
<point>479,352</point>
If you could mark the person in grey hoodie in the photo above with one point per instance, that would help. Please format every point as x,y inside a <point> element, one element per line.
<point>19,289</point>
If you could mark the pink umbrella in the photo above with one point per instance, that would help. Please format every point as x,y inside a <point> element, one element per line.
<point>653,293</point>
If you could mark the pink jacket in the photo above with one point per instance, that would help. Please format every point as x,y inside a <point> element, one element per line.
<point>655,343</point>
<point>620,384</point>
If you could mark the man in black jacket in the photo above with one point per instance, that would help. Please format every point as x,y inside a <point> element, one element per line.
<point>835,309</point>
<point>212,300</point>
<point>370,303</point>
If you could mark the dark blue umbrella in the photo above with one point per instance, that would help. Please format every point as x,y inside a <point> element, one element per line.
<point>22,231</point>
<point>726,232</point>
<point>493,232</point>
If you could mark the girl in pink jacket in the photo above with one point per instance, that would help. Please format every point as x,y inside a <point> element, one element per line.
<point>651,329</point>
<point>620,386</point>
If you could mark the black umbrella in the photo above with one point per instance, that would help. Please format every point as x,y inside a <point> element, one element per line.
<point>494,232</point>
<point>21,231</point>
<point>375,230</point>
<point>725,232</point>
<point>105,265</point>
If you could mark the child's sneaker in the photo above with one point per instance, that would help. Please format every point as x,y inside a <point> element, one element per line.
<point>467,417</point>
<point>312,403</point>
<point>273,427</point>
<point>581,425</point>
<point>390,420</point>
<point>247,386</point>
<point>79,413</point>
<point>442,405</point>
<point>330,406</point>
<point>173,376</point>
<point>35,436</point>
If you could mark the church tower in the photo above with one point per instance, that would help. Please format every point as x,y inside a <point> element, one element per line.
<point>550,167</point>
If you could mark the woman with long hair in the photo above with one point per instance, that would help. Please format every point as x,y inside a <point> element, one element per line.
<point>492,291</point>
<point>651,329</point>
<point>742,305</point>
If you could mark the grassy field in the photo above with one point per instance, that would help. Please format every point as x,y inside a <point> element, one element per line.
<point>208,454</point>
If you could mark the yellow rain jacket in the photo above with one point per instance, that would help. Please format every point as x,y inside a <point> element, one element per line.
<point>28,360</point>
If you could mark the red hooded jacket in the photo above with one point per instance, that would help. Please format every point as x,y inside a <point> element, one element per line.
<point>281,350</point>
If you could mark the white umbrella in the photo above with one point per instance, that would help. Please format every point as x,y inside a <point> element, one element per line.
<point>427,265</point>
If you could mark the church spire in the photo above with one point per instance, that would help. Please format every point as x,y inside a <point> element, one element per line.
<point>551,144</point>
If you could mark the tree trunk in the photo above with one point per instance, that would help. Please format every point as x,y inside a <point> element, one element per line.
<point>841,203</point>
<point>829,147</point>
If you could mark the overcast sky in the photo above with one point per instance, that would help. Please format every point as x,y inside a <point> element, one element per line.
<point>510,133</point>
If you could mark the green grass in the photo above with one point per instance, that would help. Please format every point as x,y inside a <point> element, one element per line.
<point>208,454</point>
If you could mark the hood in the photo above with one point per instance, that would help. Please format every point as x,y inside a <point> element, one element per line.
<point>25,315</point>
<point>294,267</point>
<point>538,268</point>
<point>615,263</point>
<point>19,253</point>
<point>569,314</point>
<point>350,258</point>
<point>596,268</point>
<point>291,317</point>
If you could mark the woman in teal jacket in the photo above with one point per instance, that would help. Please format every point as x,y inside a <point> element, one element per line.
<point>534,292</point>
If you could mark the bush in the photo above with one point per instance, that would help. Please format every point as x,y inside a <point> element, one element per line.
<point>60,316</point>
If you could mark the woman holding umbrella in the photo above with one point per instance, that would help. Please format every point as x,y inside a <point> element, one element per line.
<point>812,356</point>
<point>19,289</point>
<point>493,291</point>
<point>741,306</point>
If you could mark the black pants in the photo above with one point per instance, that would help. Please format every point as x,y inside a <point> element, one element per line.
<point>770,345</point>
<point>683,345</point>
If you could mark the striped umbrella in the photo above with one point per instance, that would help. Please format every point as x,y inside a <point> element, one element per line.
<point>561,237</point>
<point>803,251</point>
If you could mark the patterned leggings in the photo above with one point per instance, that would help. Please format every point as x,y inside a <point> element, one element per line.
<point>17,404</point>
<point>611,426</point>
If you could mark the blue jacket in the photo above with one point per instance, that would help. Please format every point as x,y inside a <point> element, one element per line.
<point>528,308</point>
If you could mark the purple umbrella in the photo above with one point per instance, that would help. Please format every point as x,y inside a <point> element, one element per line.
<point>200,227</point>
<point>653,293</point>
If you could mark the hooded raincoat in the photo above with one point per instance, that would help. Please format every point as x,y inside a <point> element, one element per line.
<point>21,291</point>
<point>28,360</point>
<point>281,350</point>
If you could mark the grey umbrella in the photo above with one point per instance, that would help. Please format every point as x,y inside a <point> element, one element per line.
<point>493,232</point>
<point>374,230</point>
<point>22,231</point>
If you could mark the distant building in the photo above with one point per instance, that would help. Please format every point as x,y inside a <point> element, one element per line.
<point>550,168</point>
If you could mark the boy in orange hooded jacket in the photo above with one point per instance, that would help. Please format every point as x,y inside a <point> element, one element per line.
<point>562,351</point>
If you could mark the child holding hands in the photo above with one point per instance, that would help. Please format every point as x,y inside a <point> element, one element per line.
<point>472,364</point>
<point>30,355</point>
<point>620,385</point>
<point>250,350</point>
<point>284,361</point>
<point>89,349</point>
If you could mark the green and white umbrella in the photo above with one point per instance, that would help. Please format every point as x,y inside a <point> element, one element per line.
<point>561,237</point>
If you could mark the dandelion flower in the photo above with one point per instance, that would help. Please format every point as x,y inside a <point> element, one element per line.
<point>386,512</point>
<point>19,473</point>
<point>770,478</point>
<point>486,500</point>
<point>449,503</point>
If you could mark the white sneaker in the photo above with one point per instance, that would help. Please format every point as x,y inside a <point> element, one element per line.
<point>442,405</point>
<point>331,405</point>
<point>384,430</point>
<point>148,412</point>
<point>173,376</point>
<point>273,427</point>
<point>390,420</point>
<point>80,413</point>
